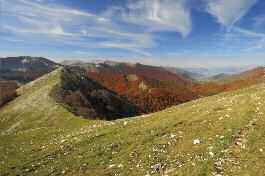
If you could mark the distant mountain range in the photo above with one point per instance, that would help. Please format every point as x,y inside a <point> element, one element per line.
<point>110,89</point>
<point>189,72</point>
<point>145,88</point>
<point>212,71</point>
<point>185,73</point>
<point>153,88</point>
<point>150,88</point>
<point>24,69</point>
<point>253,75</point>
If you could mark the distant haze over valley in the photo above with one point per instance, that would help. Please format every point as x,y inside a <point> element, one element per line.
<point>204,71</point>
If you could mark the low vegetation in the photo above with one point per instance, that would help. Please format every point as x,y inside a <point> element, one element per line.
<point>218,135</point>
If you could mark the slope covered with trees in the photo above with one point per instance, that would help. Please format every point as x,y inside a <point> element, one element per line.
<point>231,82</point>
<point>153,89</point>
<point>89,99</point>
<point>24,69</point>
<point>150,88</point>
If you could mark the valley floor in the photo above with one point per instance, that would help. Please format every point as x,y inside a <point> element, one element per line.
<point>218,135</point>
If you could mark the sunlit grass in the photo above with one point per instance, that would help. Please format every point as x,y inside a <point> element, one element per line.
<point>40,137</point>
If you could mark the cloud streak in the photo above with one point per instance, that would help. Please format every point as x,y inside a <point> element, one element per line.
<point>136,28</point>
<point>157,15</point>
<point>42,21</point>
<point>229,12</point>
<point>51,21</point>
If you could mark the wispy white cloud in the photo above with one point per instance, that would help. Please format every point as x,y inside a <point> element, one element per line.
<point>42,21</point>
<point>259,21</point>
<point>52,21</point>
<point>249,32</point>
<point>157,15</point>
<point>260,45</point>
<point>54,31</point>
<point>47,21</point>
<point>28,16</point>
<point>129,47</point>
<point>51,11</point>
<point>228,12</point>
<point>257,42</point>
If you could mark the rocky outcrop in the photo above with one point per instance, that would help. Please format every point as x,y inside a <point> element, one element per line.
<point>7,91</point>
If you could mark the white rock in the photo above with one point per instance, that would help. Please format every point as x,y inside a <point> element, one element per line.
<point>172,135</point>
<point>196,141</point>
<point>211,154</point>
<point>112,165</point>
<point>238,143</point>
<point>120,165</point>
<point>157,167</point>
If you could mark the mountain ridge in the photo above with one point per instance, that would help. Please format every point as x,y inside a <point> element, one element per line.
<point>24,69</point>
<point>89,99</point>
<point>210,135</point>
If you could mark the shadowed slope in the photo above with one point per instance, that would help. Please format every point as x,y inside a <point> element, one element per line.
<point>150,88</point>
<point>7,91</point>
<point>89,99</point>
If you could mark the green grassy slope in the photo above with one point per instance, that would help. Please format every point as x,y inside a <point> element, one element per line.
<point>40,137</point>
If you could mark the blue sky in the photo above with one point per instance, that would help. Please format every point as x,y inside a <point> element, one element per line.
<point>181,33</point>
